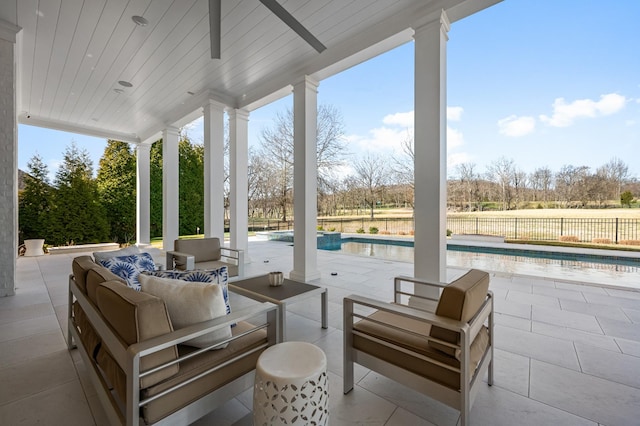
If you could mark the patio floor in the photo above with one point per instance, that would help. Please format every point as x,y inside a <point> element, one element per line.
<point>566,353</point>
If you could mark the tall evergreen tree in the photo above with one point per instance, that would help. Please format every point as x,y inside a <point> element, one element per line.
<point>35,201</point>
<point>77,216</point>
<point>156,189</point>
<point>191,187</point>
<point>116,182</point>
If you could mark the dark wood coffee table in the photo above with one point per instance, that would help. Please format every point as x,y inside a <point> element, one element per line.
<point>258,288</point>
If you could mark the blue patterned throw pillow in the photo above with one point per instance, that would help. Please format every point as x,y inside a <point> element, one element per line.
<point>216,276</point>
<point>129,267</point>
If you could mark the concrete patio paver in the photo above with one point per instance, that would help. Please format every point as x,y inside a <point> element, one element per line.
<point>565,352</point>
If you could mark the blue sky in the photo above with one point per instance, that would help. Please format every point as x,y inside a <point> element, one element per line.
<point>542,82</point>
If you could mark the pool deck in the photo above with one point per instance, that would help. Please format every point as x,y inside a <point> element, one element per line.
<point>566,353</point>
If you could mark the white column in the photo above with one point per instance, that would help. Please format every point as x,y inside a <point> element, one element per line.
<point>214,170</point>
<point>143,194</point>
<point>430,150</point>
<point>305,171</point>
<point>170,188</point>
<point>8,159</point>
<point>239,182</point>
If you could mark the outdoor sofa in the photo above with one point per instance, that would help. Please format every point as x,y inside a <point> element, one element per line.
<point>144,370</point>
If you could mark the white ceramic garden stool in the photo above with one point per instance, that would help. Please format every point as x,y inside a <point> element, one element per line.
<point>291,386</point>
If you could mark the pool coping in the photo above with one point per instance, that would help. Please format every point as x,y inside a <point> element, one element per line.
<point>515,246</point>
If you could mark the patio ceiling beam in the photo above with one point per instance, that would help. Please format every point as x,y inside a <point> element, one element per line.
<point>25,118</point>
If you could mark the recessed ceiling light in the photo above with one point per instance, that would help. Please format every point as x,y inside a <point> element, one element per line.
<point>125,83</point>
<point>139,20</point>
<point>118,90</point>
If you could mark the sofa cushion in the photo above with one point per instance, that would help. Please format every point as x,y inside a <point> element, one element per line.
<point>127,251</point>
<point>203,249</point>
<point>80,267</point>
<point>193,367</point>
<point>216,264</point>
<point>88,334</point>
<point>216,276</point>
<point>411,335</point>
<point>460,301</point>
<point>136,317</point>
<point>190,303</point>
<point>129,267</point>
<point>98,275</point>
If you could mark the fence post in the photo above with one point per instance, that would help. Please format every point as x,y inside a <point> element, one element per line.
<point>477,233</point>
<point>515,231</point>
<point>616,230</point>
<point>561,226</point>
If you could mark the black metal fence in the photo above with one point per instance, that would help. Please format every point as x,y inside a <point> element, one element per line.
<point>613,230</point>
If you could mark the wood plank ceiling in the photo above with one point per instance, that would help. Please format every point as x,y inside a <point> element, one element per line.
<point>73,53</point>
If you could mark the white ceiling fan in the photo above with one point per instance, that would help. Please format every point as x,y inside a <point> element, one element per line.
<point>274,7</point>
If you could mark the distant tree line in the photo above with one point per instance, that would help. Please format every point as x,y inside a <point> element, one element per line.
<point>78,208</point>
<point>504,186</point>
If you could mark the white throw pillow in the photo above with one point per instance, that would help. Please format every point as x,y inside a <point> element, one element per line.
<point>190,303</point>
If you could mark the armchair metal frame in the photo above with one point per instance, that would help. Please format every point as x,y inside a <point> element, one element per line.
<point>460,399</point>
<point>228,255</point>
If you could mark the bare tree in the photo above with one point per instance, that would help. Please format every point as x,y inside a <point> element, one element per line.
<point>570,183</point>
<point>520,183</point>
<point>469,183</point>
<point>501,172</point>
<point>542,183</point>
<point>403,162</point>
<point>371,174</point>
<point>277,148</point>
<point>618,172</point>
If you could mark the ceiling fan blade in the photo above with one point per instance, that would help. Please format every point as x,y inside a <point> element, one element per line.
<point>293,23</point>
<point>214,27</point>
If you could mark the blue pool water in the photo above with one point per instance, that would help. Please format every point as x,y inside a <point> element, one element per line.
<point>617,270</point>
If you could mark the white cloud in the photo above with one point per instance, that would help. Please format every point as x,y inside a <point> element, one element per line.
<point>406,119</point>
<point>565,113</point>
<point>456,158</point>
<point>380,139</point>
<point>455,138</point>
<point>454,113</point>
<point>402,119</point>
<point>515,126</point>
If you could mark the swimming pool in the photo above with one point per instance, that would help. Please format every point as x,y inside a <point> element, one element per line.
<point>616,270</point>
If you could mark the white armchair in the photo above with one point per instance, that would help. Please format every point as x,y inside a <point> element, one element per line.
<point>205,253</point>
<point>443,354</point>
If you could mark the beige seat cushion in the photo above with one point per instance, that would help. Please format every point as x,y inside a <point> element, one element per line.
<point>460,301</point>
<point>418,344</point>
<point>216,264</point>
<point>202,249</point>
<point>134,317</point>
<point>173,401</point>
<point>88,335</point>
